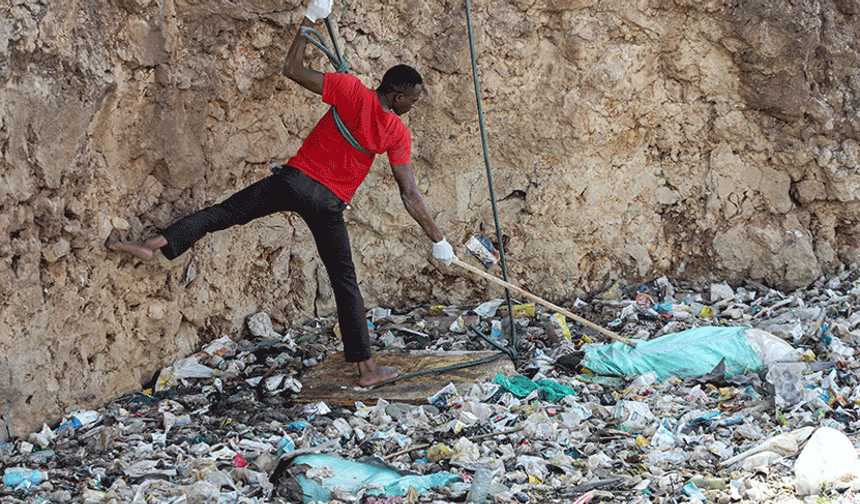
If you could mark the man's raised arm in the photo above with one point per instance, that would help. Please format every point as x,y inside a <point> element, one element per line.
<point>294,66</point>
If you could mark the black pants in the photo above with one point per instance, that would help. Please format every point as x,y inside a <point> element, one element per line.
<point>289,189</point>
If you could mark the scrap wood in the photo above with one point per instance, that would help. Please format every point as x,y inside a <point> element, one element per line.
<point>330,381</point>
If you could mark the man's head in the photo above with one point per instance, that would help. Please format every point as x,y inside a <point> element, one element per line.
<point>402,86</point>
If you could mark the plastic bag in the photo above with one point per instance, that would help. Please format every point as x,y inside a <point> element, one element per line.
<point>352,476</point>
<point>521,386</point>
<point>686,354</point>
<point>829,457</point>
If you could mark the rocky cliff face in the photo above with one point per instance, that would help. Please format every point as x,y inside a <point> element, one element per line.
<point>627,140</point>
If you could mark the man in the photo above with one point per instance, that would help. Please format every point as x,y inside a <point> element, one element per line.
<point>320,180</point>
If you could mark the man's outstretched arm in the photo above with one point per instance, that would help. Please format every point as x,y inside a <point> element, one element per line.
<point>417,208</point>
<point>294,66</point>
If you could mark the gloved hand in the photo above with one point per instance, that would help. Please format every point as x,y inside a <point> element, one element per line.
<point>318,9</point>
<point>443,252</point>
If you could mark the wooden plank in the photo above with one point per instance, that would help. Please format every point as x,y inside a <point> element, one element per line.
<point>334,380</point>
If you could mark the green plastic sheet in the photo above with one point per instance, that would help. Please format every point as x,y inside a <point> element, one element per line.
<point>522,386</point>
<point>686,354</point>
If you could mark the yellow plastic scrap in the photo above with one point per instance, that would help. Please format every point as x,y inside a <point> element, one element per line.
<point>807,356</point>
<point>524,310</point>
<point>458,427</point>
<point>439,452</point>
<point>781,418</point>
<point>435,311</point>
<point>613,293</point>
<point>558,320</point>
<point>642,442</point>
<point>584,339</point>
<point>166,380</point>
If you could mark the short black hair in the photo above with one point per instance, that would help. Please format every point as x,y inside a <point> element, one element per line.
<point>400,78</point>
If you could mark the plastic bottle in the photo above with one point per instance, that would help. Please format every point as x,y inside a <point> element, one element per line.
<point>704,482</point>
<point>80,418</point>
<point>71,424</point>
<point>14,476</point>
<point>480,487</point>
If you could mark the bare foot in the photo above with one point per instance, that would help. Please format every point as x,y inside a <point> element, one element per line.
<point>142,250</point>
<point>370,374</point>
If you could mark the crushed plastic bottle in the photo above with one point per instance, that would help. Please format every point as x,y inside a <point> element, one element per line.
<point>22,476</point>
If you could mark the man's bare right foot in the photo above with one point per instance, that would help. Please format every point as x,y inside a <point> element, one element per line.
<point>371,374</point>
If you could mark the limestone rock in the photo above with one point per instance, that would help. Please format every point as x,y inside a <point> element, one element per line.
<point>637,141</point>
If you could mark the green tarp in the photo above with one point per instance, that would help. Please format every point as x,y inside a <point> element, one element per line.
<point>686,354</point>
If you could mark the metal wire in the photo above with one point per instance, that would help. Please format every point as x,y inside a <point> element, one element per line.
<point>513,348</point>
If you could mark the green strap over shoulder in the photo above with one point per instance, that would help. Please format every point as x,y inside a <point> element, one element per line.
<point>341,66</point>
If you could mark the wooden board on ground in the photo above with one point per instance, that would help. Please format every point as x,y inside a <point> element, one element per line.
<point>334,380</point>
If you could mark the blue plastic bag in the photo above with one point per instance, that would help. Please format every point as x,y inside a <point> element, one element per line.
<point>352,476</point>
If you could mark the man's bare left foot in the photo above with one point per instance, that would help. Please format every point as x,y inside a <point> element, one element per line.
<point>142,250</point>
<point>135,248</point>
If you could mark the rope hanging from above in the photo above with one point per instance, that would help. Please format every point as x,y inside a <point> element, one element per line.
<point>341,66</point>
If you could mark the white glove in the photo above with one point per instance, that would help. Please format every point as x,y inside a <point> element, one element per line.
<point>318,9</point>
<point>443,252</point>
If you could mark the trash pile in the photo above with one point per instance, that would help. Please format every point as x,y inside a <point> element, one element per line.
<point>742,394</point>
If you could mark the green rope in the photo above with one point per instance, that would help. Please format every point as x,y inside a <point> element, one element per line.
<point>341,66</point>
<point>315,38</point>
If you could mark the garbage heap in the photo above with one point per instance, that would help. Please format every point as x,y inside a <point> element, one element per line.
<point>742,394</point>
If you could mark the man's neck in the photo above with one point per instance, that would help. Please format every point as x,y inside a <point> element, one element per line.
<point>383,101</point>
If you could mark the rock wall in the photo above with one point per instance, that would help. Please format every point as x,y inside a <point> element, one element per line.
<point>627,140</point>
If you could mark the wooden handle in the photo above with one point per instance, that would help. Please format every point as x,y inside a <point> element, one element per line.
<point>543,302</point>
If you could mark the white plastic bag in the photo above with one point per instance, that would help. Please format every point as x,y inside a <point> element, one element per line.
<point>770,348</point>
<point>829,457</point>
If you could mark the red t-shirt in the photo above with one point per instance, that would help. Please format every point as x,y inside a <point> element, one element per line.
<point>328,158</point>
